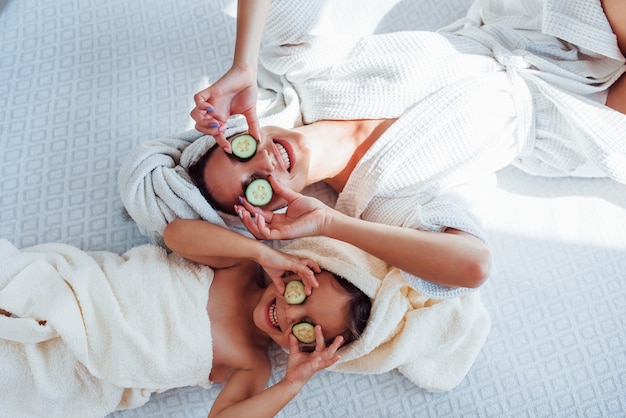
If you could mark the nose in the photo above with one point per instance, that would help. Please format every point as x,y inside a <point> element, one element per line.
<point>294,313</point>
<point>265,161</point>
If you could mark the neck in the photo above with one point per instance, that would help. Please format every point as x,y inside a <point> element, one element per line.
<point>338,146</point>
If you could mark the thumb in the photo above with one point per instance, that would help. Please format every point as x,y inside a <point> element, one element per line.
<point>278,282</point>
<point>282,191</point>
<point>254,128</point>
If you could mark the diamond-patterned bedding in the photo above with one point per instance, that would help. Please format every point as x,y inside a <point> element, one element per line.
<point>82,82</point>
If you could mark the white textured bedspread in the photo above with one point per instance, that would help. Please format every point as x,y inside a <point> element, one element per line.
<point>81,83</point>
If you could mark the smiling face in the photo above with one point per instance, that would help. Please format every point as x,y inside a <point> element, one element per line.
<point>327,306</point>
<point>281,153</point>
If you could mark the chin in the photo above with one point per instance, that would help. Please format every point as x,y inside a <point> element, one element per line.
<point>284,346</point>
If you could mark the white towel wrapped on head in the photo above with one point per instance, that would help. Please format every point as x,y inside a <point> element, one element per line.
<point>431,342</point>
<point>155,186</point>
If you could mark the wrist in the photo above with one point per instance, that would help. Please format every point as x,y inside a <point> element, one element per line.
<point>291,387</point>
<point>245,67</point>
<point>333,221</point>
<point>260,253</point>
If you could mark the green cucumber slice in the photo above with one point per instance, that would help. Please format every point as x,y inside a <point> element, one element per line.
<point>294,292</point>
<point>259,192</point>
<point>243,146</point>
<point>304,332</point>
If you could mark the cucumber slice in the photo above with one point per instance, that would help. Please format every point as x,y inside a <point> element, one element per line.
<point>259,192</point>
<point>304,332</point>
<point>294,292</point>
<point>243,146</point>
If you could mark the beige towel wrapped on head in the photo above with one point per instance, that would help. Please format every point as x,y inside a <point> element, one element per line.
<point>431,342</point>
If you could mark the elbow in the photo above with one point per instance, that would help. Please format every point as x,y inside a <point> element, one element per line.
<point>478,269</point>
<point>171,233</point>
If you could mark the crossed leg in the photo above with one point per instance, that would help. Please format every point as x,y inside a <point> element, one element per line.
<point>615,11</point>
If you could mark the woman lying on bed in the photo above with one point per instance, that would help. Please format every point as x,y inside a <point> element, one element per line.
<point>419,120</point>
<point>478,119</point>
<point>150,321</point>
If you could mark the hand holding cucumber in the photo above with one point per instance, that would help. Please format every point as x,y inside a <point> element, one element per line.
<point>276,264</point>
<point>305,216</point>
<point>301,365</point>
<point>233,93</point>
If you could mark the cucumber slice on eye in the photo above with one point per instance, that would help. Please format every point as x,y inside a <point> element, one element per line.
<point>259,192</point>
<point>304,332</point>
<point>243,146</point>
<point>294,292</point>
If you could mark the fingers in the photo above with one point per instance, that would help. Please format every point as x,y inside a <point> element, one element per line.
<point>222,142</point>
<point>263,229</point>
<point>249,222</point>
<point>308,279</point>
<point>294,345</point>
<point>209,119</point>
<point>254,128</point>
<point>279,283</point>
<point>328,354</point>
<point>209,124</point>
<point>320,344</point>
<point>306,273</point>
<point>287,194</point>
<point>323,356</point>
<point>254,219</point>
<point>336,344</point>
<point>313,265</point>
<point>267,214</point>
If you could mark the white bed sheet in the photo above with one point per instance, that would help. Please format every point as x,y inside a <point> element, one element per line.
<point>82,82</point>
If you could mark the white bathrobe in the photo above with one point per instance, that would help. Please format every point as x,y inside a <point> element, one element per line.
<point>512,83</point>
<point>94,332</point>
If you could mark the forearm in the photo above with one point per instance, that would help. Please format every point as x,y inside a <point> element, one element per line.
<point>251,15</point>
<point>452,258</point>
<point>264,404</point>
<point>210,244</point>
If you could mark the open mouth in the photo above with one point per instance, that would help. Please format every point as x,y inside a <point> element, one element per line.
<point>284,154</point>
<point>271,313</point>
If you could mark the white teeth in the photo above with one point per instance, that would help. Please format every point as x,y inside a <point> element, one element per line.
<point>272,314</point>
<point>283,153</point>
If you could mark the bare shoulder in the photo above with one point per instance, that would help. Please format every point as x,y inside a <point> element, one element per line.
<point>242,273</point>
<point>253,360</point>
<point>243,382</point>
<point>249,352</point>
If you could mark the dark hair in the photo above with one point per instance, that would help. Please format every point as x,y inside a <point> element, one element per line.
<point>358,311</point>
<point>196,173</point>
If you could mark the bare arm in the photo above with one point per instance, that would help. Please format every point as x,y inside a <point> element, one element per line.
<point>210,244</point>
<point>219,247</point>
<point>453,258</point>
<point>251,15</point>
<point>244,390</point>
<point>236,91</point>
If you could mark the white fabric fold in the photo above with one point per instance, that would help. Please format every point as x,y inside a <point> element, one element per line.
<point>85,338</point>
<point>155,186</point>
